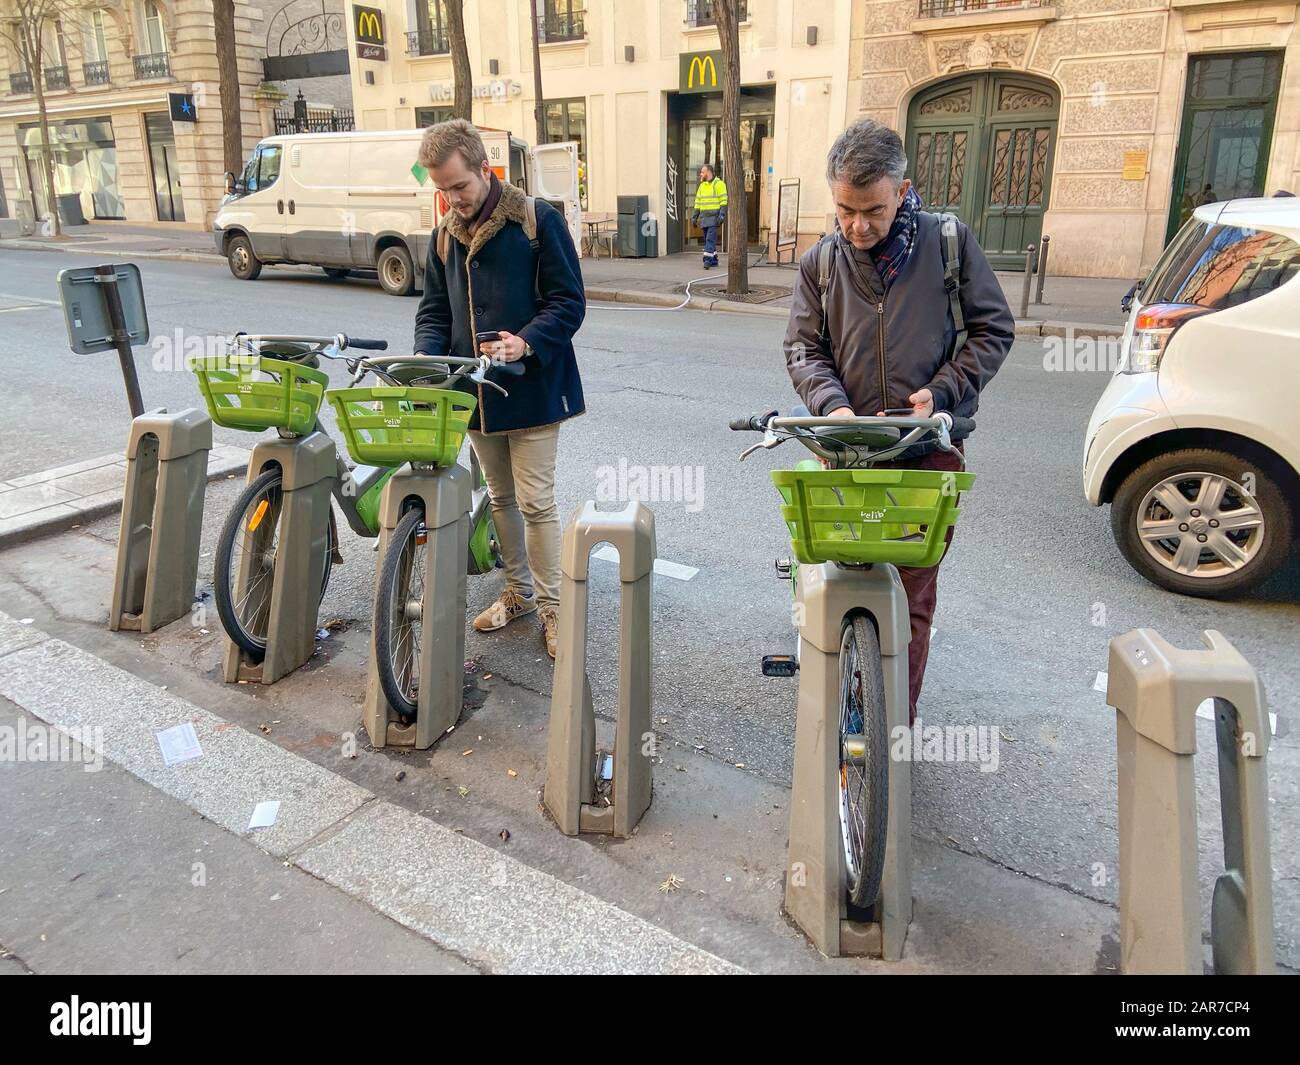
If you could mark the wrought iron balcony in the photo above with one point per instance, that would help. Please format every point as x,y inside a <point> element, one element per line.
<point>428,42</point>
<point>56,78</point>
<point>152,65</point>
<point>561,26</point>
<point>944,8</point>
<point>705,12</point>
<point>20,82</point>
<point>96,73</point>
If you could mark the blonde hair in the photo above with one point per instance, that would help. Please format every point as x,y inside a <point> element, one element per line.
<point>454,135</point>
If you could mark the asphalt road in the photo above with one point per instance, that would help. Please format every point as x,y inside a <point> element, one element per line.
<point>1029,596</point>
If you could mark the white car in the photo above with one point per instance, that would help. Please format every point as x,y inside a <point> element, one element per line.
<point>1195,444</point>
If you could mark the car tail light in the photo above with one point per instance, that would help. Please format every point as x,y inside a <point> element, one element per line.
<point>1151,332</point>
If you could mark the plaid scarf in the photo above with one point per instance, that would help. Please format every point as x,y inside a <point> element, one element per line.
<point>891,254</point>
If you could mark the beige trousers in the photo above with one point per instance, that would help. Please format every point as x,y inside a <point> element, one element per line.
<point>519,468</point>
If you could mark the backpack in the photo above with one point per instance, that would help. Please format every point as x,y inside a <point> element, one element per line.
<point>951,277</point>
<point>530,230</point>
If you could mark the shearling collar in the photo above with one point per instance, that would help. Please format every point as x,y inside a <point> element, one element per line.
<point>512,207</point>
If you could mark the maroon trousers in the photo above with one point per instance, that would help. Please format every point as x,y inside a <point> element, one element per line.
<point>922,586</point>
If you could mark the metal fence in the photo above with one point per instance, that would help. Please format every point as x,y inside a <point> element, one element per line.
<point>152,65</point>
<point>561,26</point>
<point>941,8</point>
<point>314,120</point>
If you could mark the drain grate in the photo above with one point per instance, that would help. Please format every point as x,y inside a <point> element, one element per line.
<point>756,293</point>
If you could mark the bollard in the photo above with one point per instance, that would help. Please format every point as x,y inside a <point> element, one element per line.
<point>569,792</point>
<point>1155,689</point>
<point>1029,277</point>
<point>1042,269</point>
<point>309,466</point>
<point>445,493</point>
<point>815,895</point>
<point>162,519</point>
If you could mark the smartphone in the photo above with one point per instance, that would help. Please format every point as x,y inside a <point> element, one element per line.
<point>486,338</point>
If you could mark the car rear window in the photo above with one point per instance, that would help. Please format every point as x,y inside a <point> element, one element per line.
<point>1221,266</point>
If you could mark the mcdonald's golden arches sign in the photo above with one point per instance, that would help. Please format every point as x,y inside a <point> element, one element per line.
<point>368,26</point>
<point>700,72</point>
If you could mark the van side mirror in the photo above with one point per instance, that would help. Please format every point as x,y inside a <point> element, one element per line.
<point>1126,303</point>
<point>230,181</point>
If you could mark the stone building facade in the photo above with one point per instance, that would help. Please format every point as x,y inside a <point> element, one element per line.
<point>109,69</point>
<point>1100,123</point>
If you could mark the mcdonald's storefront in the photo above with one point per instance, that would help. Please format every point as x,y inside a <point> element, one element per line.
<point>694,128</point>
<point>639,88</point>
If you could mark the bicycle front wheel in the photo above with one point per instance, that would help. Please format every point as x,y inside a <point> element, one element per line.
<point>398,615</point>
<point>250,539</point>
<point>864,760</point>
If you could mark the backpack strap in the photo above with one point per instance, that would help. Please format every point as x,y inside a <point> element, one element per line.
<point>825,257</point>
<point>444,244</point>
<point>952,280</point>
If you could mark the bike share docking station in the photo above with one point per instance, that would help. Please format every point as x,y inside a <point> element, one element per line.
<point>291,550</point>
<point>166,456</point>
<point>445,494</point>
<point>570,793</point>
<point>162,519</point>
<point>815,894</point>
<point>1156,689</point>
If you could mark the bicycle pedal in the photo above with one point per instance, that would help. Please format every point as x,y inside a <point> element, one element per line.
<point>783,568</point>
<point>780,665</point>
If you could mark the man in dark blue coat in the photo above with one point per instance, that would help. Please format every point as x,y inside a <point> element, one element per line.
<point>503,263</point>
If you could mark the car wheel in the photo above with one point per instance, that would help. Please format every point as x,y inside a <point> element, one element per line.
<point>336,273</point>
<point>1202,522</point>
<point>396,274</point>
<point>243,263</point>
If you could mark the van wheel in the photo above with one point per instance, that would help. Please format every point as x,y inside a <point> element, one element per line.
<point>243,263</point>
<point>396,274</point>
<point>335,273</point>
<point>1202,522</point>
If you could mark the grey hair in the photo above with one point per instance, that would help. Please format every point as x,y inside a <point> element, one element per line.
<point>866,152</point>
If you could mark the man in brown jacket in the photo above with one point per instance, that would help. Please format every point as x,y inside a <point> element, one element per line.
<point>881,336</point>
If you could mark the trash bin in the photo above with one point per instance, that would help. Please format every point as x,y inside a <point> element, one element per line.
<point>70,213</point>
<point>634,242</point>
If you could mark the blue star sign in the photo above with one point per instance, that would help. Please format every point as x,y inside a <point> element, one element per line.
<point>182,107</point>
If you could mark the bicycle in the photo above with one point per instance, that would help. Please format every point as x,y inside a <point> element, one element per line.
<point>845,509</point>
<point>407,421</point>
<point>274,381</point>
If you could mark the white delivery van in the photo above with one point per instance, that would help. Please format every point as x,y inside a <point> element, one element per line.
<point>354,202</point>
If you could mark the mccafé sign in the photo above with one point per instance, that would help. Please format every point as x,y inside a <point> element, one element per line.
<point>368,28</point>
<point>699,71</point>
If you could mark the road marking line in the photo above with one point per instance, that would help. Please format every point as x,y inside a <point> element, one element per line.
<point>663,567</point>
<point>30,299</point>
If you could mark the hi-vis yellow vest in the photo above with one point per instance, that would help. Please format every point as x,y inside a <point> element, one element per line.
<point>711,195</point>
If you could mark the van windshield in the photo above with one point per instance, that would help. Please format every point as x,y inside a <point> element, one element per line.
<point>263,168</point>
<point>1221,266</point>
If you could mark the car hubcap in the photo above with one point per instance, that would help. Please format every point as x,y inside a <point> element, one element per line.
<point>1200,524</point>
<point>241,258</point>
<point>396,275</point>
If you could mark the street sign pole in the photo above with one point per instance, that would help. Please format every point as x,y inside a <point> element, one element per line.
<point>107,276</point>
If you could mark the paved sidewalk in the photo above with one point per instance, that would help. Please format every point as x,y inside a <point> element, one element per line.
<point>66,496</point>
<point>1089,306</point>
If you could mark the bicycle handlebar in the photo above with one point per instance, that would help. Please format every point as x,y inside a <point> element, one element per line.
<point>364,345</point>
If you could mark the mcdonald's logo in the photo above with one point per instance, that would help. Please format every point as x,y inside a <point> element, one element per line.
<point>706,67</point>
<point>699,71</point>
<point>369,24</point>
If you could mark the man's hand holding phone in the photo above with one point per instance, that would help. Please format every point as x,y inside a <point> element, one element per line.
<point>501,346</point>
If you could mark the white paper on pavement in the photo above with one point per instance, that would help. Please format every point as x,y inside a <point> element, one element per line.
<point>179,744</point>
<point>264,814</point>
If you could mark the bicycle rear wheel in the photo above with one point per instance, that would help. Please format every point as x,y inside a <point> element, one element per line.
<point>398,618</point>
<point>251,537</point>
<point>864,760</point>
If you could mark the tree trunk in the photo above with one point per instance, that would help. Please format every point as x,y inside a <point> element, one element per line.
<point>461,74</point>
<point>728,12</point>
<point>232,134</point>
<point>36,51</point>
<point>539,106</point>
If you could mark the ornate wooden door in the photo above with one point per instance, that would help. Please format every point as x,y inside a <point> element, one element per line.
<point>981,147</point>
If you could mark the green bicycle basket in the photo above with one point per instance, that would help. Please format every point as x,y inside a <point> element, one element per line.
<point>390,425</point>
<point>256,392</point>
<point>898,516</point>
